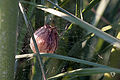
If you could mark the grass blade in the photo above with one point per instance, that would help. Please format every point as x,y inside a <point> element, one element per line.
<point>100,10</point>
<point>71,59</point>
<point>84,72</point>
<point>90,5</point>
<point>28,24</point>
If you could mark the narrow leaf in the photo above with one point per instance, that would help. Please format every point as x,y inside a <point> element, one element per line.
<point>84,72</point>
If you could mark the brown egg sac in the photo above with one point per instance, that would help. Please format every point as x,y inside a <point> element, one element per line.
<point>46,38</point>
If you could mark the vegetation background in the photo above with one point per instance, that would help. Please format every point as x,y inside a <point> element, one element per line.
<point>84,51</point>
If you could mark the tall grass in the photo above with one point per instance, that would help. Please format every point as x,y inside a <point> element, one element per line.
<point>86,38</point>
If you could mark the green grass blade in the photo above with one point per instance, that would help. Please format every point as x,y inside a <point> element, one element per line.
<point>90,5</point>
<point>56,56</point>
<point>64,3</point>
<point>71,59</point>
<point>100,10</point>
<point>77,60</point>
<point>29,26</point>
<point>84,72</point>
